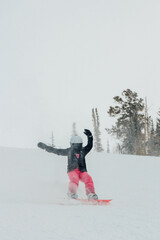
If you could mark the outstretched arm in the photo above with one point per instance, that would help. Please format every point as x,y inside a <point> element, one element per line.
<point>62,152</point>
<point>89,145</point>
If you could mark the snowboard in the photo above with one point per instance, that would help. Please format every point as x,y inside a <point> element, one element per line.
<point>94,201</point>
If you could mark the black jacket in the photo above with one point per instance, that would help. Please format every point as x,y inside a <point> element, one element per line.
<point>75,159</point>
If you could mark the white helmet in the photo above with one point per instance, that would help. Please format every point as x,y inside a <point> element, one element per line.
<point>76,139</point>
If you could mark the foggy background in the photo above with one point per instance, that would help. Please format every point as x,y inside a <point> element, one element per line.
<point>59,59</point>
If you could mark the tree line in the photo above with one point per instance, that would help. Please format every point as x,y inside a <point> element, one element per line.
<point>135,130</point>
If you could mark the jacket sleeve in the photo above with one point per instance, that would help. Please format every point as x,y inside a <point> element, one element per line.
<point>62,152</point>
<point>89,145</point>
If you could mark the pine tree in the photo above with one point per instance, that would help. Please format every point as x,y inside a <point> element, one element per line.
<point>129,127</point>
<point>52,139</point>
<point>151,139</point>
<point>96,125</point>
<point>157,134</point>
<point>74,132</point>
<point>108,148</point>
<point>146,128</point>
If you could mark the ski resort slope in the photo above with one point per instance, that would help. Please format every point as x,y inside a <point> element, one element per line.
<point>33,202</point>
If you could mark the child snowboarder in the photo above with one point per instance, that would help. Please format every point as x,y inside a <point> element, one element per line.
<point>77,170</point>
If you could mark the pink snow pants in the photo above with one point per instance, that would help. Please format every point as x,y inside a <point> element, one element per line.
<point>75,176</point>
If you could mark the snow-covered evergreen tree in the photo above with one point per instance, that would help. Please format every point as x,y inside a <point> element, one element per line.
<point>52,140</point>
<point>97,134</point>
<point>151,144</point>
<point>129,127</point>
<point>74,132</point>
<point>108,148</point>
<point>157,134</point>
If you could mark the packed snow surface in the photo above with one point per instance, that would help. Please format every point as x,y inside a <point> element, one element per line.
<point>34,205</point>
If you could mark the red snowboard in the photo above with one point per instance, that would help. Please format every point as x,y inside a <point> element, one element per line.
<point>95,202</point>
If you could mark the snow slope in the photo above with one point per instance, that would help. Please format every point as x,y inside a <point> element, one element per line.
<point>33,202</point>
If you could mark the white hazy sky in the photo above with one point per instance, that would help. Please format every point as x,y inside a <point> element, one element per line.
<point>61,58</point>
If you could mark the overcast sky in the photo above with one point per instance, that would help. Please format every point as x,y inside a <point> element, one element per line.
<point>61,58</point>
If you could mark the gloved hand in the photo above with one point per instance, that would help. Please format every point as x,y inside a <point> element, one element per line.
<point>88,133</point>
<point>42,145</point>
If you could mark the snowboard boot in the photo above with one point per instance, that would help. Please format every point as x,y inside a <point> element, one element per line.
<point>92,196</point>
<point>73,195</point>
